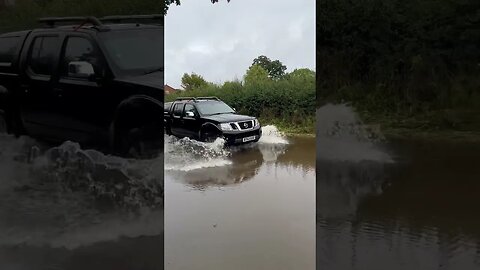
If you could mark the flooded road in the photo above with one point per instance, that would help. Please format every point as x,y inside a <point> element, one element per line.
<point>69,208</point>
<point>248,207</point>
<point>401,204</point>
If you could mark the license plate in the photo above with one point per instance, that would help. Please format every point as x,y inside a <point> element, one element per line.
<point>248,139</point>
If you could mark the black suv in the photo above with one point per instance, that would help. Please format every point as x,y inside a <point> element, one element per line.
<point>89,80</point>
<point>208,118</point>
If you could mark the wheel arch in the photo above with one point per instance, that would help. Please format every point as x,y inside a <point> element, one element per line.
<point>138,104</point>
<point>135,111</point>
<point>209,126</point>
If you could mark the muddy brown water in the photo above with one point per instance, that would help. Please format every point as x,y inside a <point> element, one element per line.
<point>250,208</point>
<point>397,204</point>
<point>403,204</point>
<point>238,208</point>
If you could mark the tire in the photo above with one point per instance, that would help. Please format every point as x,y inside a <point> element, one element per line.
<point>139,142</point>
<point>209,135</point>
<point>131,144</point>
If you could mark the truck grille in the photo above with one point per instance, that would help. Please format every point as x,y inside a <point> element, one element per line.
<point>246,125</point>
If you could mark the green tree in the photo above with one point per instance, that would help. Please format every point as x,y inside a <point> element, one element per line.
<point>193,81</point>
<point>276,70</point>
<point>235,85</point>
<point>302,74</point>
<point>256,74</point>
<point>399,57</point>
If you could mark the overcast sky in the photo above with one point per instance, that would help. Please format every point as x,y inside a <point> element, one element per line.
<point>219,41</point>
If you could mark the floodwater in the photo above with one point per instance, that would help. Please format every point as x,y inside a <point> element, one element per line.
<point>250,207</point>
<point>68,208</point>
<point>401,204</point>
<point>380,204</point>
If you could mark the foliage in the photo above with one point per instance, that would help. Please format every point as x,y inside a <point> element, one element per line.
<point>275,69</point>
<point>288,102</point>
<point>302,76</point>
<point>256,75</point>
<point>399,57</point>
<point>193,81</point>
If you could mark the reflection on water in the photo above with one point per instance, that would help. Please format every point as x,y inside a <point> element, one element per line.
<point>69,208</point>
<point>413,206</point>
<point>247,207</point>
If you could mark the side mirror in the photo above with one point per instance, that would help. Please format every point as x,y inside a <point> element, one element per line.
<point>81,69</point>
<point>235,110</point>
<point>190,114</point>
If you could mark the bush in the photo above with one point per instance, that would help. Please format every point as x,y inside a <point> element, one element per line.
<point>401,57</point>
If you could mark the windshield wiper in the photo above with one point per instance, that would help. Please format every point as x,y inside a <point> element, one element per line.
<point>153,70</point>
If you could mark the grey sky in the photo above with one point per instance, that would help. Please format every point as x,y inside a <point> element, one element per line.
<point>219,41</point>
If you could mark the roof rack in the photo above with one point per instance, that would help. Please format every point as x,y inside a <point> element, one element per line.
<point>153,18</point>
<point>51,21</point>
<point>99,23</point>
<point>198,98</point>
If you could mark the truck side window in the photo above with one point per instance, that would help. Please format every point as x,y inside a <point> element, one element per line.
<point>189,108</point>
<point>178,109</point>
<point>8,45</point>
<point>167,106</point>
<point>81,50</point>
<point>43,55</point>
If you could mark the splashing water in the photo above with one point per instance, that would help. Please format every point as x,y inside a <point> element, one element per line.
<point>188,155</point>
<point>125,182</point>
<point>66,196</point>
<point>271,135</point>
<point>70,168</point>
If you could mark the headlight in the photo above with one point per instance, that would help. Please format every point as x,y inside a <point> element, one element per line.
<point>226,126</point>
<point>256,123</point>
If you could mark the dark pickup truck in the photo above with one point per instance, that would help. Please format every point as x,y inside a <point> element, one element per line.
<point>88,80</point>
<point>209,118</point>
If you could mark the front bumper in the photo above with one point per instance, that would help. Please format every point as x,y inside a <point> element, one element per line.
<point>236,137</point>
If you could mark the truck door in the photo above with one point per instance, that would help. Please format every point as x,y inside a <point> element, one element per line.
<point>191,124</point>
<point>177,124</point>
<point>39,63</point>
<point>82,102</point>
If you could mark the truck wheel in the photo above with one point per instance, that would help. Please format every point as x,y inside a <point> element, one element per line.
<point>132,144</point>
<point>140,142</point>
<point>210,136</point>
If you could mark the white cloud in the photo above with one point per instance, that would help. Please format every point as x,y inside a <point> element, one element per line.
<point>219,41</point>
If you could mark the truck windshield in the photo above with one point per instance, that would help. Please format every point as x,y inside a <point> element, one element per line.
<point>135,51</point>
<point>213,107</point>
